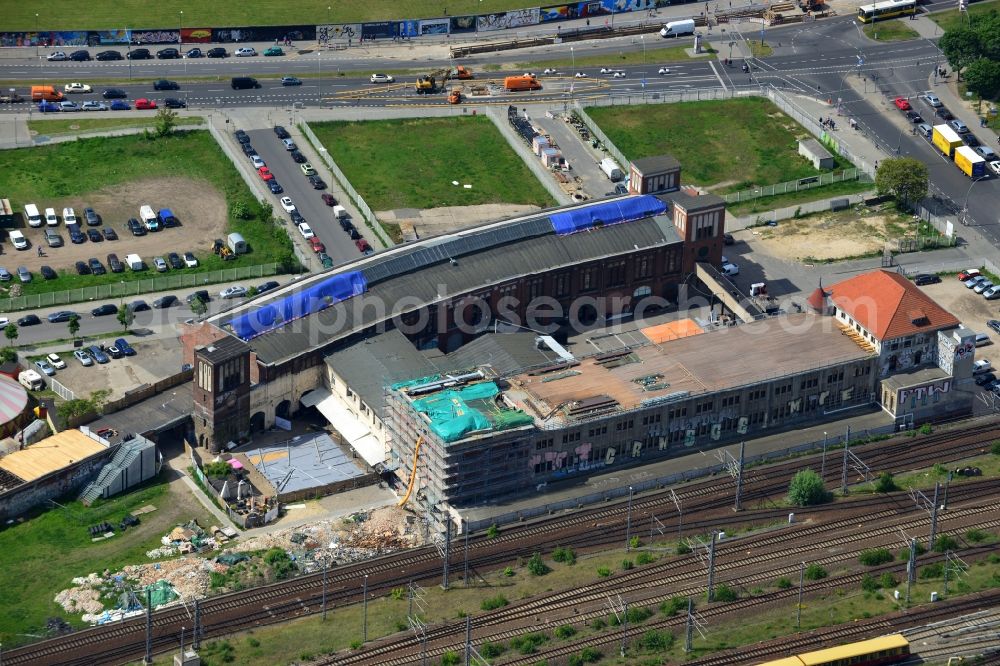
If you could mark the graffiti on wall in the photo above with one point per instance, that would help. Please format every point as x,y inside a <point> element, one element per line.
<point>505,20</point>
<point>463,24</point>
<point>922,393</point>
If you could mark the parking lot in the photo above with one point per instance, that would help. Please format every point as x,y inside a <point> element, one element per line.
<point>153,361</point>
<point>972,310</point>
<point>199,206</point>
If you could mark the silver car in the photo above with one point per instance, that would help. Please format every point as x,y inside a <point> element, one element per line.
<point>23,274</point>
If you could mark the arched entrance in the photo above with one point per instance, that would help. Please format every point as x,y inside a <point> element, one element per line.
<point>283,410</point>
<point>257,422</point>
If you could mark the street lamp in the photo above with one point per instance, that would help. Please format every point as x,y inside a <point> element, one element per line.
<point>180,32</point>
<point>572,54</point>
<point>128,46</point>
<point>36,35</point>
<point>822,467</point>
<point>965,206</point>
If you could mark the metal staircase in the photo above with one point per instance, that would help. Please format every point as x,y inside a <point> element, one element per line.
<point>123,457</point>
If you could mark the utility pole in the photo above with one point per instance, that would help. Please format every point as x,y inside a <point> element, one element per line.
<point>625,626</point>
<point>934,513</point>
<point>324,590</point>
<point>447,552</point>
<point>911,569</point>
<point>843,474</point>
<point>798,608</point>
<point>148,659</point>
<point>680,512</point>
<point>822,464</point>
<point>628,520</point>
<point>739,479</point>
<point>465,528</point>
<point>196,638</point>
<point>711,568</point>
<point>468,639</point>
<point>364,628</point>
<point>689,632</point>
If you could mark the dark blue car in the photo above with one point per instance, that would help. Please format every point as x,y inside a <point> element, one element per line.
<point>47,107</point>
<point>124,347</point>
<point>120,105</point>
<point>98,354</point>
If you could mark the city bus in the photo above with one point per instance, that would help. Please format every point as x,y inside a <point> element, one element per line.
<point>886,10</point>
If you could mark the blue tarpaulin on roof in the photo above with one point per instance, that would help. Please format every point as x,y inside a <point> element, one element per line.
<point>628,209</point>
<point>312,299</point>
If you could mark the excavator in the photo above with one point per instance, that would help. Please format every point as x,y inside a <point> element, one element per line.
<point>435,82</point>
<point>455,97</point>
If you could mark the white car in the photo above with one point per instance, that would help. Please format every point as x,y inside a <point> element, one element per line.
<point>982,286</point>
<point>69,106</point>
<point>933,100</point>
<point>529,74</point>
<point>992,293</point>
<point>257,161</point>
<point>50,218</point>
<point>235,291</point>
<point>549,70</point>
<point>580,75</point>
<point>995,166</point>
<point>663,70</point>
<point>95,106</point>
<point>4,321</point>
<point>982,365</point>
<point>244,52</point>
<point>381,78</point>
<point>69,216</point>
<point>190,260</point>
<point>730,269</point>
<point>607,70</point>
<point>77,88</point>
<point>56,362</point>
<point>618,75</point>
<point>286,203</point>
<point>83,357</point>
<point>57,56</point>
<point>306,231</point>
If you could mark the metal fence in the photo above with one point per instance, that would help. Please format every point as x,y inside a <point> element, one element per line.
<point>679,477</point>
<point>60,390</point>
<point>798,185</point>
<point>125,288</point>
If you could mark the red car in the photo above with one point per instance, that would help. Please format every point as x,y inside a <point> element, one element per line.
<point>902,104</point>
<point>363,246</point>
<point>967,274</point>
<point>143,103</point>
<point>317,245</point>
<point>265,173</point>
<point>329,200</point>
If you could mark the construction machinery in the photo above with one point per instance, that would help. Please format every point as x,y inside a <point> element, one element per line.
<point>413,472</point>
<point>220,248</point>
<point>455,97</point>
<point>433,82</point>
<point>462,73</point>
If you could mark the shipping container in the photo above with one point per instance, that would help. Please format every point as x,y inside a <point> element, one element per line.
<point>971,164</point>
<point>946,140</point>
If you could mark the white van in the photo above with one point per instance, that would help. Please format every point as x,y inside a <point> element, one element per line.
<point>134,262</point>
<point>339,212</point>
<point>31,212</point>
<point>69,216</point>
<point>18,240</point>
<point>149,218</point>
<point>50,217</point>
<point>31,380</point>
<point>678,28</point>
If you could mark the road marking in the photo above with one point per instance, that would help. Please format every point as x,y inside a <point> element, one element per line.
<point>217,90</point>
<point>716,72</point>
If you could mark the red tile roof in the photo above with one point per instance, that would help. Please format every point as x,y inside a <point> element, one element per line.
<point>889,306</point>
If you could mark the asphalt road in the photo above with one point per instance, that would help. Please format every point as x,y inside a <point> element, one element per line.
<point>307,200</point>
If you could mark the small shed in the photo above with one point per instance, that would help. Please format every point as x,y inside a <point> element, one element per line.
<point>236,243</point>
<point>813,150</point>
<point>7,216</point>
<point>649,175</point>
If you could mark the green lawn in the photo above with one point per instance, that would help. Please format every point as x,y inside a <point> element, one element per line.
<point>652,57</point>
<point>733,144</point>
<point>109,14</point>
<point>82,166</point>
<point>411,163</point>
<point>953,18</point>
<point>44,553</point>
<point>781,200</point>
<point>894,30</point>
<point>75,126</point>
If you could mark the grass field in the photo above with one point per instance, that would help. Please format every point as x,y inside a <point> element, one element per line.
<point>75,126</point>
<point>109,14</point>
<point>953,18</point>
<point>411,163</point>
<point>79,167</point>
<point>781,200</point>
<point>653,57</point>
<point>894,30</point>
<point>52,546</point>
<point>732,144</point>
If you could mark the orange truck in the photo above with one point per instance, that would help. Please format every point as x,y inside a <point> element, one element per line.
<point>462,73</point>
<point>455,97</point>
<point>46,94</point>
<point>515,83</point>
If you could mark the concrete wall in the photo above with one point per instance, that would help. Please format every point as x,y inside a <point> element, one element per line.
<point>289,386</point>
<point>62,482</point>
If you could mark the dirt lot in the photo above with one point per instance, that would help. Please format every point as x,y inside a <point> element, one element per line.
<point>829,236</point>
<point>446,219</point>
<point>153,361</point>
<point>972,309</point>
<point>199,206</point>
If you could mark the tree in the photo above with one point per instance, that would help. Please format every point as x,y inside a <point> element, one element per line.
<point>982,77</point>
<point>885,483</point>
<point>74,325</point>
<point>198,307</point>
<point>125,317</point>
<point>166,119</point>
<point>807,489</point>
<point>11,332</point>
<point>961,46</point>
<point>905,178</point>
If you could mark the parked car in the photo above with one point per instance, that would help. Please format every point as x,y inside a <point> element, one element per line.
<point>174,260</point>
<point>286,204</point>
<point>257,161</point>
<point>265,173</point>
<point>108,55</point>
<point>94,235</point>
<point>159,264</point>
<point>29,320</point>
<point>308,169</point>
<point>306,231</point>
<point>217,52</point>
<point>90,217</point>
<point>168,54</point>
<point>83,357</point>
<point>266,286</point>
<point>987,153</point>
<point>982,339</point>
<point>77,88</point>
<point>925,279</point>
<point>329,199</point>
<point>82,268</point>
<point>124,347</point>
<point>995,167</point>
<point>80,56</point>
<point>245,52</point>
<point>992,293</point>
<point>138,306</point>
<point>317,245</point>
<point>944,114</point>
<point>113,352</point>
<point>115,264</point>
<point>363,246</point>
<point>144,103</point>
<point>235,291</point>
<point>45,367</point>
<point>274,51</point>
<point>933,100</point>
<point>61,315</point>
<point>291,81</point>
<point>275,186</point>
<point>973,281</point>
<point>914,117</point>
<point>281,132</point>
<point>959,126</point>
<point>57,56</point>
<point>297,217</point>
<point>189,260</point>
<point>982,286</point>
<point>120,105</point>
<point>94,105</point>
<point>165,302</point>
<point>248,150</point>
<point>23,274</point>
<point>986,379</point>
<point>135,227</point>
<point>200,295</point>
<point>326,260</point>
<point>730,269</point>
<point>110,234</point>
<point>139,54</point>
<point>297,157</point>
<point>96,267</point>
<point>48,107</point>
<point>317,182</point>
<point>902,103</point>
<point>970,140</point>
<point>69,107</point>
<point>194,53</point>
<point>48,273</point>
<point>5,275</point>
<point>98,354</point>
<point>968,273</point>
<point>104,310</point>
<point>55,361</point>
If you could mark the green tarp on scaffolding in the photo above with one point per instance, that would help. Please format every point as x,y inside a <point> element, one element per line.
<point>451,416</point>
<point>161,592</point>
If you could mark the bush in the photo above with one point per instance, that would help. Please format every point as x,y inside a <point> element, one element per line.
<point>603,572</point>
<point>356,644</point>
<point>925,429</point>
<point>493,603</point>
<point>869,583</point>
<point>253,642</point>
<point>626,565</point>
<point>807,489</point>
<point>451,658</point>
<point>598,623</point>
<point>397,593</point>
<point>815,572</point>
<point>528,644</point>
<point>508,572</point>
<point>656,641</point>
<point>904,554</point>
<point>564,555</point>
<point>683,548</point>
<point>673,606</point>
<point>491,650</point>
<point>536,566</point>
<point>638,615</point>
<point>935,570</point>
<point>634,542</point>
<point>591,655</point>
<point>885,483</point>
<point>995,449</point>
<point>872,557</point>
<point>945,542</point>
<point>218,651</point>
<point>783,583</point>
<point>492,532</point>
<point>644,558</point>
<point>565,631</point>
<point>976,536</point>
<point>887,580</point>
<point>725,594</point>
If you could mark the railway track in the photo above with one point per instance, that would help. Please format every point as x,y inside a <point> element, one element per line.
<point>282,601</point>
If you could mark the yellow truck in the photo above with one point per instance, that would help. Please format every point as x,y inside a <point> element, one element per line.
<point>946,140</point>
<point>971,164</point>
